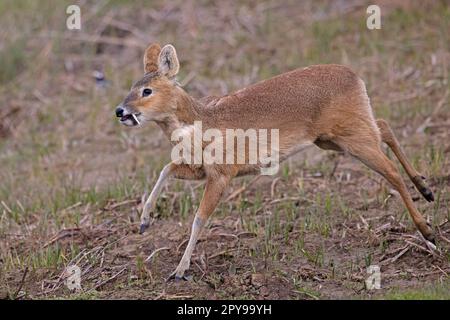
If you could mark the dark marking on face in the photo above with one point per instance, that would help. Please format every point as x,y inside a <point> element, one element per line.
<point>131,97</point>
<point>145,80</point>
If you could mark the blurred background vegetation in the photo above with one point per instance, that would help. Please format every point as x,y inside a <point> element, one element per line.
<point>64,157</point>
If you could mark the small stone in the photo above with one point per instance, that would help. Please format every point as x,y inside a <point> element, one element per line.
<point>264,291</point>
<point>258,280</point>
<point>232,270</point>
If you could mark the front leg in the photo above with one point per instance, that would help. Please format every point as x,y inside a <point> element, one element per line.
<point>180,171</point>
<point>151,201</point>
<point>213,192</point>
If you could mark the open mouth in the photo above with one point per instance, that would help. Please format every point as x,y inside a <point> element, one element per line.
<point>133,117</point>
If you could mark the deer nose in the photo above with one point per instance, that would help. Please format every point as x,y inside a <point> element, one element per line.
<point>119,112</point>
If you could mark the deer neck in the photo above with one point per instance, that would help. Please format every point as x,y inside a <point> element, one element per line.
<point>185,112</point>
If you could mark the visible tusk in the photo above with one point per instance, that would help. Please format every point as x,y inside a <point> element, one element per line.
<point>135,119</point>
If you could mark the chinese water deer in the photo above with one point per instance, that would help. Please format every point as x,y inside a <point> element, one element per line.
<point>324,105</point>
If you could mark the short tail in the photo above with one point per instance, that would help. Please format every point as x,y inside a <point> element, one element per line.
<point>387,135</point>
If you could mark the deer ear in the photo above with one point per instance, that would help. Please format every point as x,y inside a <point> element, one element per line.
<point>151,58</point>
<point>168,64</point>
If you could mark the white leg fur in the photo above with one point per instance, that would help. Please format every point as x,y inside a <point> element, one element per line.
<point>213,192</point>
<point>184,264</point>
<point>151,201</point>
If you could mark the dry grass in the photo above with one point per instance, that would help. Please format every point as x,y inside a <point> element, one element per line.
<point>72,178</point>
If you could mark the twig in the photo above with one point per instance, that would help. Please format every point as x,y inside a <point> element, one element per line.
<point>229,235</point>
<point>155,252</point>
<point>419,247</point>
<point>119,204</point>
<point>109,279</point>
<point>181,244</point>
<point>366,225</point>
<point>336,164</point>
<point>400,254</point>
<point>72,206</point>
<point>177,297</point>
<point>429,245</point>
<point>21,283</point>
<point>162,294</point>
<point>6,207</point>
<point>445,273</point>
<point>246,233</point>
<point>306,293</point>
<point>284,199</point>
<point>272,187</point>
<point>242,189</point>
<point>221,253</point>
<point>443,222</point>
<point>439,105</point>
<point>444,238</point>
<point>62,234</point>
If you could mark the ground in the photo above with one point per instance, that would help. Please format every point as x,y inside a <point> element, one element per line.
<point>72,178</point>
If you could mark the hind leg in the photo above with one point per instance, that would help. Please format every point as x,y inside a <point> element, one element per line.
<point>370,153</point>
<point>387,135</point>
<point>213,192</point>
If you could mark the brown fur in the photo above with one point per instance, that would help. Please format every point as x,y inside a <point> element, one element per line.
<point>326,105</point>
<point>151,58</point>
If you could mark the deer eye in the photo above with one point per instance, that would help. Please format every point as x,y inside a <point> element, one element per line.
<point>146,92</point>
